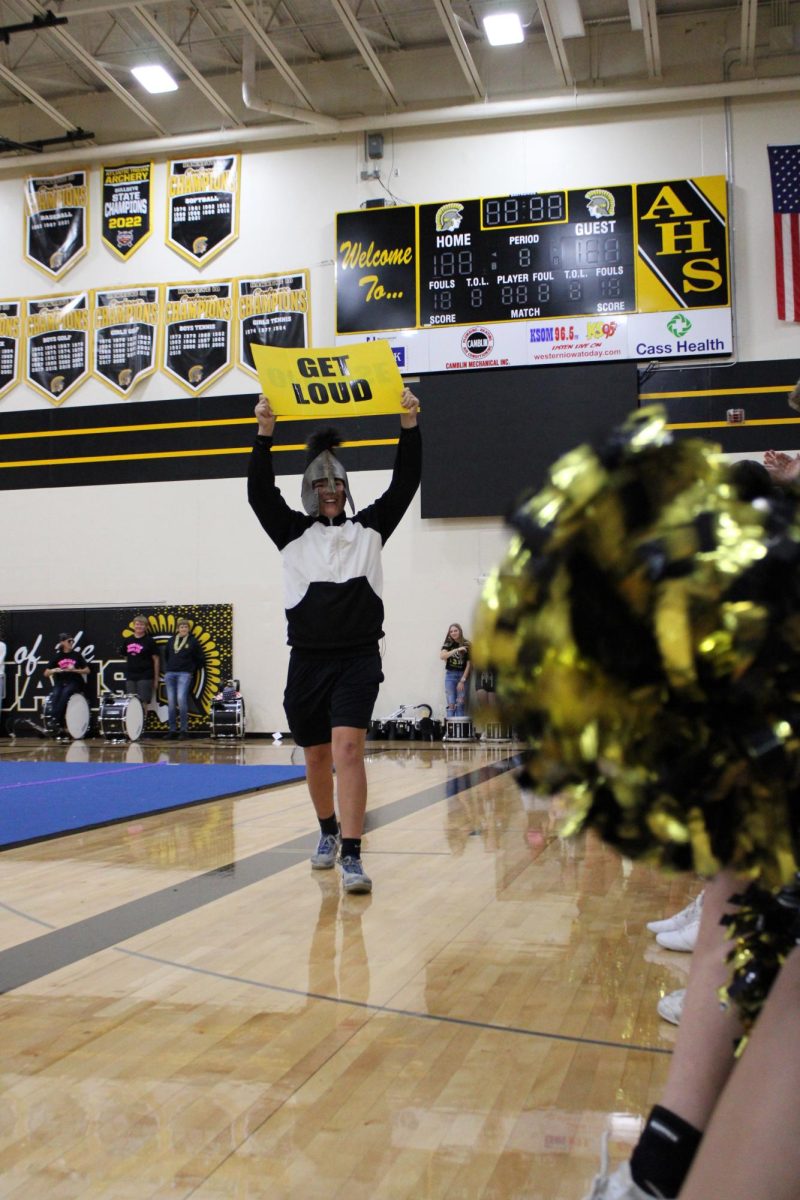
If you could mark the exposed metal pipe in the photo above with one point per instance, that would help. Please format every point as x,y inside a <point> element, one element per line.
<point>462,114</point>
<point>289,111</point>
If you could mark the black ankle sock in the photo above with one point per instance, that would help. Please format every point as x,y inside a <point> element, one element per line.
<point>329,825</point>
<point>664,1153</point>
<point>351,847</point>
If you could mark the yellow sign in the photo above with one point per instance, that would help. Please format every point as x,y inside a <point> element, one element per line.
<point>345,381</point>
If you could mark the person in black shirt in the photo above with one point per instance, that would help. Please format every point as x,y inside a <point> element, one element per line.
<point>142,662</point>
<point>183,658</point>
<point>68,670</point>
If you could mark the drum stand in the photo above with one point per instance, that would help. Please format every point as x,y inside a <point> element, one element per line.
<point>459,729</point>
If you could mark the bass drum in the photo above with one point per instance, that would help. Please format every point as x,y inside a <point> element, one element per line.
<point>227,718</point>
<point>121,718</point>
<point>76,716</point>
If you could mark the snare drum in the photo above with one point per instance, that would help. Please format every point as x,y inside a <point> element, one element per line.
<point>459,729</point>
<point>121,718</point>
<point>227,718</point>
<point>76,716</point>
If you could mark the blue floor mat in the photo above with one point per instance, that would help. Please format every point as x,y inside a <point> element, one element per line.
<point>43,800</point>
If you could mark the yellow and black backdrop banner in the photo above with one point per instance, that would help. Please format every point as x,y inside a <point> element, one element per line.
<point>31,634</point>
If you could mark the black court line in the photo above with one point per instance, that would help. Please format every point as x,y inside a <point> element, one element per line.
<point>411,1013</point>
<point>41,956</point>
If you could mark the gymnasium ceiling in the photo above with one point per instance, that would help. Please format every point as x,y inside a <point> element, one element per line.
<point>250,69</point>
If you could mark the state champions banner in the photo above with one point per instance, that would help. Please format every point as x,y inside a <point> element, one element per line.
<point>56,221</point>
<point>345,381</point>
<point>126,221</point>
<point>203,206</point>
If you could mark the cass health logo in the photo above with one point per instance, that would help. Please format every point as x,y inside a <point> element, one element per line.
<point>477,342</point>
<point>679,325</point>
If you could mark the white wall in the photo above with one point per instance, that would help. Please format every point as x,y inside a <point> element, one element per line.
<point>199,542</point>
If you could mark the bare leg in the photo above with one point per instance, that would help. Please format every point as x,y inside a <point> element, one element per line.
<point>351,778</point>
<point>703,1057</point>
<point>752,1148</point>
<point>319,777</point>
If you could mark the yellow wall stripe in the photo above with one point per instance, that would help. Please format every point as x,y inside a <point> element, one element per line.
<point>654,397</point>
<point>45,433</point>
<point>60,462</point>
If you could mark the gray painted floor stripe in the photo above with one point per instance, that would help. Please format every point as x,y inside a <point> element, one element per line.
<point>50,952</point>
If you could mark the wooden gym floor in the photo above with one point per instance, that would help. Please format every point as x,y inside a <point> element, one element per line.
<point>189,1010</point>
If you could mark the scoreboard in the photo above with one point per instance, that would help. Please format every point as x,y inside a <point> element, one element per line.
<point>632,271</point>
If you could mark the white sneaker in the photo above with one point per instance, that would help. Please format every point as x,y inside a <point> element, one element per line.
<point>617,1186</point>
<point>685,917</point>
<point>684,939</point>
<point>670,1007</point>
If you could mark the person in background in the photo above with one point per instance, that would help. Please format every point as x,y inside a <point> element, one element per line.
<point>333,583</point>
<point>67,670</point>
<point>2,679</point>
<point>182,659</point>
<point>142,661</point>
<point>455,656</point>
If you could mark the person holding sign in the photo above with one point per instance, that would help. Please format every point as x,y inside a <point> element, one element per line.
<point>332,587</point>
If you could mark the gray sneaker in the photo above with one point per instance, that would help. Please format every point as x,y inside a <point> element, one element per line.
<point>354,877</point>
<point>617,1186</point>
<point>324,857</point>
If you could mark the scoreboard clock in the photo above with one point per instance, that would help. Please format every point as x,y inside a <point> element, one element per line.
<point>630,271</point>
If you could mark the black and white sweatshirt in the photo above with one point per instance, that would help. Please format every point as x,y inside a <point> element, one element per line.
<point>332,573</point>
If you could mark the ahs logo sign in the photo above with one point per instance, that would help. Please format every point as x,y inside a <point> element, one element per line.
<point>683,241</point>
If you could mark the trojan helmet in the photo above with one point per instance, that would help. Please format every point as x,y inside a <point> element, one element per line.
<point>322,463</point>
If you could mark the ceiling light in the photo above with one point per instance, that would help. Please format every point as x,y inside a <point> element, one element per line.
<point>503,29</point>
<point>155,79</point>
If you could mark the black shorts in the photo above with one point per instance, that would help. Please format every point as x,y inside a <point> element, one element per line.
<point>325,692</point>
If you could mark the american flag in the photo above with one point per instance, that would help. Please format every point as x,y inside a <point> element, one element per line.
<point>784,169</point>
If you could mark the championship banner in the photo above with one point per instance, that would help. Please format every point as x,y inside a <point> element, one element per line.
<point>126,207</point>
<point>10,338</point>
<point>198,321</point>
<point>57,334</point>
<point>272,311</point>
<point>126,323</point>
<point>356,381</point>
<point>203,199</point>
<point>56,221</point>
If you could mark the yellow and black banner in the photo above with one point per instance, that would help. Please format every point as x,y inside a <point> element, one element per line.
<point>57,344</point>
<point>273,310</point>
<point>99,633</point>
<point>126,324</point>
<point>56,221</point>
<point>10,342</point>
<point>198,321</point>
<point>203,206</point>
<point>127,207</point>
<point>682,244</point>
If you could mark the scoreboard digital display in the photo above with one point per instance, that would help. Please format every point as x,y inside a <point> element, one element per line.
<point>609,260</point>
<point>516,257</point>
